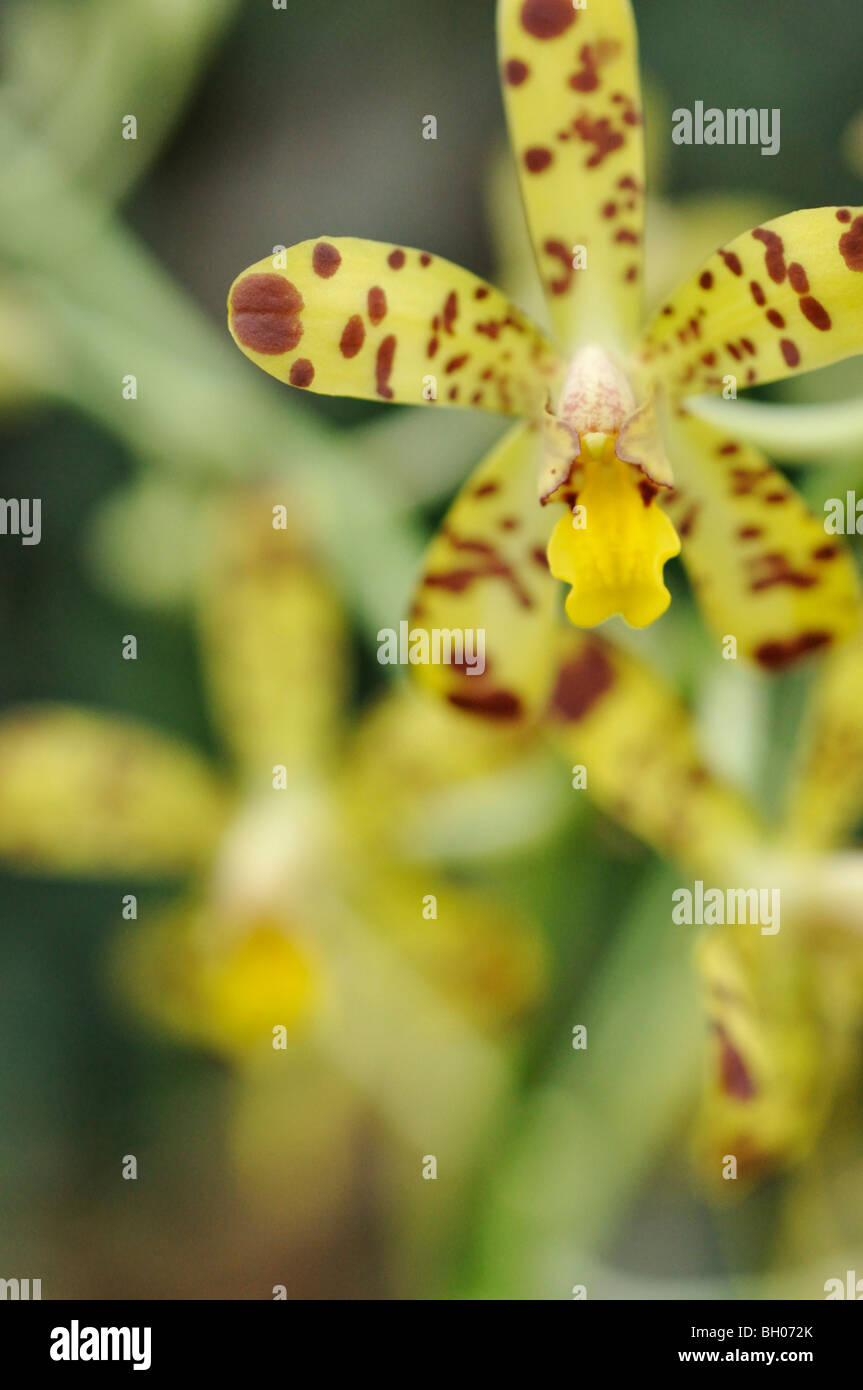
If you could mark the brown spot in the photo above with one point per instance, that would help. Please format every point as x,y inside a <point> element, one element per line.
<point>377,302</point>
<point>456,363</point>
<point>843,215</point>
<point>790,352</point>
<point>486,489</point>
<point>515,72</point>
<point>453,393</point>
<point>609,210</point>
<point>827,552</point>
<point>353,336</point>
<point>547,19</point>
<point>706,280</point>
<point>302,372</point>
<point>774,253</point>
<point>815,313</point>
<point>625,235</point>
<point>265,313</point>
<point>774,317</point>
<point>630,274</point>
<point>779,572</point>
<point>709,359</point>
<point>476,398</point>
<point>494,704</point>
<point>732,260</point>
<point>730,448</point>
<point>562,254</point>
<point>396,259</point>
<point>425,259</point>
<point>684,528</point>
<point>748,345</point>
<point>851,245</point>
<point>325,259</point>
<point>481,293</point>
<point>648,490</point>
<point>509,523</point>
<point>539,557</point>
<point>537,159</point>
<point>433,346</point>
<point>776,655</point>
<point>749,533</point>
<point>450,311</point>
<point>384,366</point>
<point>581,681</point>
<point>757,293</point>
<point>600,135</point>
<point>797,276</point>
<point>776,498</point>
<point>733,1075</point>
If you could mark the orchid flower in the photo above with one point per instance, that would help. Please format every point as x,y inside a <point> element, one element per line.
<point>608,473</point>
<point>784,1009</point>
<point>278,883</point>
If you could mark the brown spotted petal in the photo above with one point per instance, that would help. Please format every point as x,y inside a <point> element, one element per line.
<point>762,567</point>
<point>783,298</point>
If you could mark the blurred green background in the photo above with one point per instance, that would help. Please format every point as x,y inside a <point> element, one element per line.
<point>259,127</point>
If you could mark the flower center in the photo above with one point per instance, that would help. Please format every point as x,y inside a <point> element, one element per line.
<point>605,462</point>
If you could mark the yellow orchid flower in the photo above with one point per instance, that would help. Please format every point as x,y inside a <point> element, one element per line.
<point>607,441</point>
<point>783,1008</point>
<point>274,866</point>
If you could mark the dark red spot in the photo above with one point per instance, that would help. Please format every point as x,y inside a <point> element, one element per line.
<point>776,655</point>
<point>816,313</point>
<point>851,245</point>
<point>790,352</point>
<point>453,393</point>
<point>776,498</point>
<point>539,557</point>
<point>481,293</point>
<point>730,448</point>
<point>495,704</point>
<point>774,253</point>
<point>706,280</point>
<point>587,80</point>
<point>353,336</point>
<point>456,363</point>
<point>797,276</point>
<point>450,311</point>
<point>735,351</point>
<point>537,159</point>
<point>778,572</point>
<point>377,302</point>
<point>749,533</point>
<point>629,182</point>
<point>425,259</point>
<point>302,372</point>
<point>734,1077</point>
<point>515,72</point>
<point>384,366</point>
<point>648,490</point>
<point>774,317</point>
<point>562,254</point>
<point>609,210</point>
<point>581,681</point>
<point>827,552</point>
<point>486,489</point>
<point>667,309</point>
<point>685,526</point>
<point>600,135</point>
<point>732,260</point>
<point>843,215</point>
<point>547,19</point>
<point>396,259</point>
<point>749,346</point>
<point>630,274</point>
<point>757,293</point>
<point>433,346</point>
<point>265,314</point>
<point>625,235</point>
<point>325,259</point>
<point>709,359</point>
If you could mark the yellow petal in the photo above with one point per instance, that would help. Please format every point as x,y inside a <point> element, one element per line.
<point>761,565</point>
<point>781,299</point>
<point>363,318</point>
<point>613,546</point>
<point>571,87</point>
<point>612,715</point>
<point>486,573</point>
<point>826,795</point>
<point>767,1082</point>
<point>273,635</point>
<point>92,794</point>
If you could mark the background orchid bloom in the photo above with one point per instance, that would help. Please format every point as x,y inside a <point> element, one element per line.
<point>784,1009</point>
<point>606,436</point>
<point>291,918</point>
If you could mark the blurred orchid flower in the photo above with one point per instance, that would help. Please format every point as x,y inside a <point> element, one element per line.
<point>607,439</point>
<point>784,1009</point>
<point>295,922</point>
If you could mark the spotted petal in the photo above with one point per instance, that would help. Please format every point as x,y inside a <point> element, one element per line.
<point>826,797</point>
<point>764,570</point>
<point>635,739</point>
<point>361,318</point>
<point>781,299</point>
<point>486,573</point>
<point>573,101</point>
<point>83,793</point>
<point>273,636</point>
